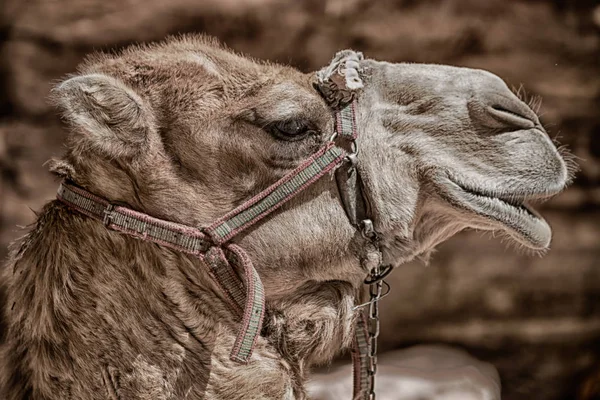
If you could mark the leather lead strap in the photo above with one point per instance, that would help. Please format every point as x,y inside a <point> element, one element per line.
<point>347,176</point>
<point>351,190</point>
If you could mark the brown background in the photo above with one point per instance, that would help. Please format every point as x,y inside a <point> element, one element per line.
<point>537,319</point>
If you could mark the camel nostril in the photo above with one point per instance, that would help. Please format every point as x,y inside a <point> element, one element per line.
<point>511,117</point>
<point>501,110</point>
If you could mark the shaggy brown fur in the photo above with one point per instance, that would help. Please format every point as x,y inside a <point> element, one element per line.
<point>185,131</point>
<point>95,314</point>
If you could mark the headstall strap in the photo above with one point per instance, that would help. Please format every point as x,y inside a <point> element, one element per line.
<point>212,245</point>
<point>245,296</point>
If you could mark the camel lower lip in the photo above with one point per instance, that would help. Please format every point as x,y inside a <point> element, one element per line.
<point>520,221</point>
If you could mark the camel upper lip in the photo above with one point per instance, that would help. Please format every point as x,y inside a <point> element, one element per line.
<point>509,211</point>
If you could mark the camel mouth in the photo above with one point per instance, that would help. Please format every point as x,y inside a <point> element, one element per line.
<point>509,212</point>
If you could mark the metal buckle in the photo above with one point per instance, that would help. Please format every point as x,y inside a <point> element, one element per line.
<point>352,158</point>
<point>367,230</point>
<point>107,220</point>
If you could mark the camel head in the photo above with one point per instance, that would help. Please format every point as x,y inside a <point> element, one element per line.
<point>187,130</point>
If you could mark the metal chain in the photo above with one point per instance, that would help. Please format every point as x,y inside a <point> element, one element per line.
<point>375,282</point>
<point>373,328</point>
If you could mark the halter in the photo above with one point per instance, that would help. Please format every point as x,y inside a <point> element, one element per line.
<point>245,297</point>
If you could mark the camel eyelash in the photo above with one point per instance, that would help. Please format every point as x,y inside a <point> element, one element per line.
<point>290,129</point>
<point>293,128</point>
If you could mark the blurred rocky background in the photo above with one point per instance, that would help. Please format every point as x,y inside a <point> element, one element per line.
<point>537,320</point>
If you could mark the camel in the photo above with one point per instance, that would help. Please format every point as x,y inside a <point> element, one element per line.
<point>185,131</point>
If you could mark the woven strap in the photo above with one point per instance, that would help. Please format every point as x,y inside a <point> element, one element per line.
<point>183,238</point>
<point>345,121</point>
<point>360,359</point>
<point>276,195</point>
<point>246,298</point>
<point>251,301</point>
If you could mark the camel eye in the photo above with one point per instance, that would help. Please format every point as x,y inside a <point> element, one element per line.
<point>290,130</point>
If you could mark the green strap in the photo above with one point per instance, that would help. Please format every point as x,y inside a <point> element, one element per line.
<point>346,122</point>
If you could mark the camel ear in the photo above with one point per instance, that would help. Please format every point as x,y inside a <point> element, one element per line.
<point>339,81</point>
<point>107,115</point>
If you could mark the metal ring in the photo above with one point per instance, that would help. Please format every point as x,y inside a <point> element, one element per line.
<point>108,217</point>
<point>380,276</point>
<point>367,230</point>
<point>387,291</point>
<point>354,147</point>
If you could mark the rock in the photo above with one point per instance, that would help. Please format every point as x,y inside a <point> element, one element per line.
<point>596,16</point>
<point>417,373</point>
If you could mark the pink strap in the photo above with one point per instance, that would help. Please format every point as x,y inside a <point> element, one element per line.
<point>360,360</point>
